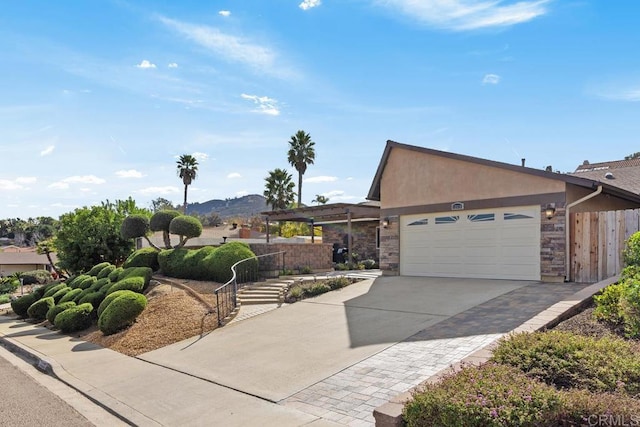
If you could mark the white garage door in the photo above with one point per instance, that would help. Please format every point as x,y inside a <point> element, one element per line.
<point>499,243</point>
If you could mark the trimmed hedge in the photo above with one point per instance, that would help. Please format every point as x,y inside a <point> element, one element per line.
<point>60,293</point>
<point>36,277</point>
<point>228,254</point>
<point>38,310</point>
<point>57,309</point>
<point>75,318</point>
<point>113,276</point>
<point>75,282</point>
<point>160,220</point>
<point>22,304</point>
<point>104,273</point>
<point>133,226</point>
<point>86,282</point>
<point>50,291</point>
<point>134,283</point>
<point>186,226</point>
<point>96,269</point>
<point>107,300</point>
<point>145,257</point>
<point>145,272</point>
<point>70,296</point>
<point>121,312</point>
<point>95,298</point>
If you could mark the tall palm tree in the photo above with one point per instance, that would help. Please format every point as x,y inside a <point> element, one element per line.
<point>301,154</point>
<point>320,199</point>
<point>279,189</point>
<point>187,170</point>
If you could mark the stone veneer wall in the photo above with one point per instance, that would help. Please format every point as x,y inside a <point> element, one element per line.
<point>390,248</point>
<point>553,247</point>
<point>318,256</point>
<point>364,237</point>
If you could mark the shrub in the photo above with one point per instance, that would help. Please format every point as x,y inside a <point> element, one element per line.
<point>36,277</point>
<point>57,309</point>
<point>316,289</point>
<point>104,273</point>
<point>94,298</point>
<point>198,264</point>
<point>160,220</point>
<point>186,226</point>
<point>40,290</point>
<point>145,257</point>
<point>70,296</point>
<point>22,304</point>
<point>86,282</point>
<point>5,299</point>
<point>60,293</point>
<point>337,282</point>
<point>74,319</point>
<point>630,307</point>
<point>631,252</point>
<point>113,276</point>
<point>121,312</point>
<point>99,284</point>
<point>369,264</point>
<point>95,270</point>
<point>134,283</point>
<point>8,285</point>
<point>144,272</point>
<point>38,310</point>
<point>488,395</point>
<point>228,254</point>
<point>107,300</point>
<point>581,407</point>
<point>53,289</point>
<point>630,272</point>
<point>306,270</point>
<point>341,266</point>
<point>566,360</point>
<point>607,304</point>
<point>76,281</point>
<point>295,292</point>
<point>133,226</point>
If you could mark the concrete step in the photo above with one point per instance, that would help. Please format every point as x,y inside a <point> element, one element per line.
<point>264,288</point>
<point>261,301</point>
<point>246,296</point>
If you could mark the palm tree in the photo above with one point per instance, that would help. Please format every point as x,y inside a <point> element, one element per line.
<point>320,199</point>
<point>279,189</point>
<point>301,154</point>
<point>187,170</point>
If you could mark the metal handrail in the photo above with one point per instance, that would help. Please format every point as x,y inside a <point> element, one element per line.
<point>234,292</point>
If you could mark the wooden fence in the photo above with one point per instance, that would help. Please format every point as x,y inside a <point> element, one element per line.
<point>597,242</point>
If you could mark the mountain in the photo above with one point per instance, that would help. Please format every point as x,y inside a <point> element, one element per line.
<point>246,206</point>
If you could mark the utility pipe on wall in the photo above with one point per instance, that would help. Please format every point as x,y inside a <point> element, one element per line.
<point>567,228</point>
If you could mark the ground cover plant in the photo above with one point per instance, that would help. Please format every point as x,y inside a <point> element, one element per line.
<point>310,288</point>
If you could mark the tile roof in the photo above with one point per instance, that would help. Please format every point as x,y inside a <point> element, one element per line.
<point>623,174</point>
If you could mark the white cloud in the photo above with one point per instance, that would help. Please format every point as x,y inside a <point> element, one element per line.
<point>317,179</point>
<point>159,190</point>
<point>628,94</point>
<point>224,13</point>
<point>265,104</point>
<point>6,184</point>
<point>131,173</point>
<point>48,150</point>
<point>173,65</point>
<point>58,185</point>
<point>78,179</point>
<point>309,4</point>
<point>26,180</point>
<point>146,64</point>
<point>234,175</point>
<point>200,156</point>
<point>463,15</point>
<point>491,79</point>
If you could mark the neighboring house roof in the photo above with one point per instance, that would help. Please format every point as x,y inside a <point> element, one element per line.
<point>374,191</point>
<point>24,258</point>
<point>328,212</point>
<point>620,173</point>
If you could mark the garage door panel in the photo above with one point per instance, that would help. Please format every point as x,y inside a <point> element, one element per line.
<point>492,243</point>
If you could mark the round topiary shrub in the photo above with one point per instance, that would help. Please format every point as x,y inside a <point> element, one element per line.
<point>144,272</point>
<point>110,298</point>
<point>121,312</point>
<point>97,268</point>
<point>38,310</point>
<point>160,220</point>
<point>94,298</point>
<point>86,282</point>
<point>75,282</point>
<point>99,284</point>
<point>631,251</point>
<point>22,304</point>
<point>70,296</point>
<point>134,283</point>
<point>53,289</point>
<point>62,292</point>
<point>74,319</point>
<point>113,276</point>
<point>228,254</point>
<point>57,309</point>
<point>104,273</point>
<point>36,277</point>
<point>145,257</point>
<point>133,226</point>
<point>186,226</point>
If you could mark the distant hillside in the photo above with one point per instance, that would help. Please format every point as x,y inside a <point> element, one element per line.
<point>246,206</point>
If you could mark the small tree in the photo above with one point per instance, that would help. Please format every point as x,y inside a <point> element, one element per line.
<point>187,170</point>
<point>320,199</point>
<point>186,227</point>
<point>279,189</point>
<point>136,226</point>
<point>160,221</point>
<point>300,155</point>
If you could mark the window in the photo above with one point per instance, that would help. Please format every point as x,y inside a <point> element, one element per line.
<point>481,217</point>
<point>423,221</point>
<point>512,216</point>
<point>447,219</point>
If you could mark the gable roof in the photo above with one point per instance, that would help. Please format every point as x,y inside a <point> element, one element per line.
<point>374,191</point>
<point>620,173</point>
<point>25,258</point>
<point>328,212</point>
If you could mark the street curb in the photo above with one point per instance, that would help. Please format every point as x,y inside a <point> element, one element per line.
<point>390,414</point>
<point>52,368</point>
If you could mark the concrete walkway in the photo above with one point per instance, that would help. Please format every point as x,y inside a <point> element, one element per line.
<point>330,359</point>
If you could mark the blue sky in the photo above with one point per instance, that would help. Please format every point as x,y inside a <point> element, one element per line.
<point>99,98</point>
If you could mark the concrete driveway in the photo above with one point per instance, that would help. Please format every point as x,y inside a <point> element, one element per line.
<point>280,353</point>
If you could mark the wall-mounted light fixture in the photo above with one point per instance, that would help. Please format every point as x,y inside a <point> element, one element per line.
<point>550,211</point>
<point>386,222</point>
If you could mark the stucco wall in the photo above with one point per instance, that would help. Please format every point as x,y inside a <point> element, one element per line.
<point>364,237</point>
<point>412,178</point>
<point>602,202</point>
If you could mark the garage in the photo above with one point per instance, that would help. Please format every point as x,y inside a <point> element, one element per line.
<point>501,243</point>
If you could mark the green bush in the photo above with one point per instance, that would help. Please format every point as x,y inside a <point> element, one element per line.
<point>224,257</point>
<point>38,310</point>
<point>94,298</point>
<point>186,226</point>
<point>75,318</point>
<point>316,289</point>
<point>145,257</point>
<point>99,284</point>
<point>566,360</point>
<point>76,281</point>
<point>488,395</point>
<point>53,289</point>
<point>369,264</point>
<point>86,282</point>
<point>306,270</point>
<point>145,272</point>
<point>95,270</point>
<point>184,263</point>
<point>70,296</point>
<point>107,300</point>
<point>5,299</point>
<point>581,407</point>
<point>60,293</point>
<point>631,252</point>
<point>607,304</point>
<point>113,276</point>
<point>161,220</point>
<point>121,312</point>
<point>9,285</point>
<point>295,292</point>
<point>104,273</point>
<point>22,304</point>
<point>36,277</point>
<point>39,291</point>
<point>630,308</point>
<point>134,283</point>
<point>133,226</point>
<point>57,309</point>
<point>338,282</point>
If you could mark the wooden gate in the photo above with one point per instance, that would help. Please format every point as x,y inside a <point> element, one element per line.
<point>597,242</point>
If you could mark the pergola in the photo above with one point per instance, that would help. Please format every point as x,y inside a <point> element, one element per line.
<point>334,212</point>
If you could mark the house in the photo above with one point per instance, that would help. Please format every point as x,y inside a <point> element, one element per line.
<point>15,262</point>
<point>621,173</point>
<point>450,215</point>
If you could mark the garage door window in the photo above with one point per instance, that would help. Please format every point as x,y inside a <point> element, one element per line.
<point>481,217</point>
<point>513,216</point>
<point>447,219</point>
